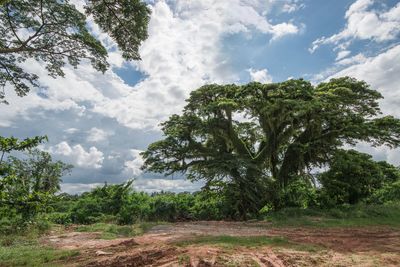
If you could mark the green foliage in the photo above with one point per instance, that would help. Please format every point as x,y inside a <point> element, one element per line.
<point>355,176</point>
<point>27,186</point>
<point>118,203</point>
<point>86,210</point>
<point>39,173</point>
<point>9,144</point>
<point>30,253</point>
<point>56,33</point>
<point>389,193</point>
<point>209,205</point>
<point>340,216</point>
<point>62,218</point>
<point>106,200</point>
<point>298,199</point>
<point>171,207</point>
<point>136,208</point>
<point>124,20</point>
<point>288,129</point>
<point>299,193</point>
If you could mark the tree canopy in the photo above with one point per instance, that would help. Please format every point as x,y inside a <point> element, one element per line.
<point>55,32</point>
<point>27,185</point>
<point>257,137</point>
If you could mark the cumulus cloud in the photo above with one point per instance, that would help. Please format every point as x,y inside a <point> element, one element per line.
<point>78,155</point>
<point>141,185</point>
<point>185,50</point>
<point>96,135</point>
<point>191,33</point>
<point>381,72</point>
<point>357,59</point>
<point>261,76</point>
<point>364,23</point>
<point>78,188</point>
<point>133,166</point>
<point>157,185</point>
<point>283,29</point>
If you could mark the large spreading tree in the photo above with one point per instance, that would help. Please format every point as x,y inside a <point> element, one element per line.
<point>56,32</point>
<point>256,138</point>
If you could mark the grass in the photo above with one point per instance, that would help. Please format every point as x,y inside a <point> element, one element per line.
<point>22,251</point>
<point>346,216</point>
<point>245,241</point>
<point>112,231</point>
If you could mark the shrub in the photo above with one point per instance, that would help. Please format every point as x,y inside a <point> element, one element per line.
<point>299,193</point>
<point>389,193</point>
<point>354,177</point>
<point>86,210</point>
<point>63,218</point>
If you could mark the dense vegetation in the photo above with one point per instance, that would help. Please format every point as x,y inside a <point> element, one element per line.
<point>255,146</point>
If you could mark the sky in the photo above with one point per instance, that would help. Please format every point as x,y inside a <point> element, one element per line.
<point>101,122</point>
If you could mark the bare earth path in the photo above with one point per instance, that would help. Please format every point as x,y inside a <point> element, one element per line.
<point>372,246</point>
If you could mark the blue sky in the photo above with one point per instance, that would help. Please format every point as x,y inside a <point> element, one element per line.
<point>100,123</point>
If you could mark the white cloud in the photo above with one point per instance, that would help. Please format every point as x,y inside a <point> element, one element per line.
<point>283,29</point>
<point>357,59</point>
<point>133,166</point>
<point>78,155</point>
<point>261,76</point>
<point>381,153</point>
<point>365,23</point>
<point>190,33</point>
<point>292,6</point>
<point>382,73</point>
<point>342,54</point>
<point>96,135</point>
<point>140,185</point>
<point>78,188</point>
<point>71,130</point>
<point>183,52</point>
<point>157,185</point>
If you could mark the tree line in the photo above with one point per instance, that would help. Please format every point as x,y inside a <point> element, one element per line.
<point>256,147</point>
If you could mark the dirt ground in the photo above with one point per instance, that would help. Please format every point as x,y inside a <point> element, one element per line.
<point>372,246</point>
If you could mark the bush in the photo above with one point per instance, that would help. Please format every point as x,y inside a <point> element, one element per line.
<point>86,210</point>
<point>354,177</point>
<point>389,193</point>
<point>209,206</point>
<point>63,218</point>
<point>299,193</point>
<point>136,207</point>
<point>6,226</point>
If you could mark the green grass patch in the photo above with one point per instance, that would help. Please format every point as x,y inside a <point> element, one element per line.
<point>112,231</point>
<point>345,216</point>
<point>30,253</point>
<point>245,241</point>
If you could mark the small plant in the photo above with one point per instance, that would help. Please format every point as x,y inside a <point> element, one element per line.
<point>184,260</point>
